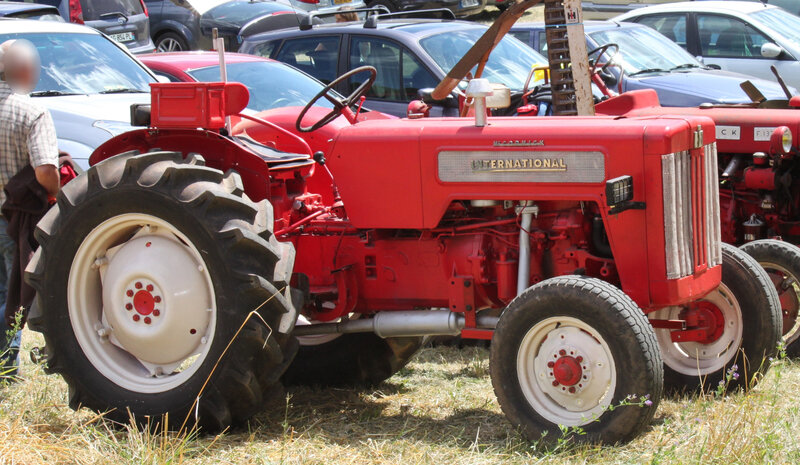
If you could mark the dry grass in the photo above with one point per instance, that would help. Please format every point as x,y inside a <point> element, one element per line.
<point>439,410</point>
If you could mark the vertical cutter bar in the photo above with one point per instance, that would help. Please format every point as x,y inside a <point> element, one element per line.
<point>569,64</point>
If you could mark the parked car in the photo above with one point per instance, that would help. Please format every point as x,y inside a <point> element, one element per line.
<point>651,61</point>
<point>460,8</point>
<point>272,84</point>
<point>187,24</point>
<point>604,9</point>
<point>792,6</point>
<point>409,54</point>
<point>22,10</point>
<point>88,82</point>
<point>123,20</point>
<point>746,37</point>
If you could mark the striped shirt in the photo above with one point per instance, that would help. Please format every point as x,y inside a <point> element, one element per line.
<point>27,135</point>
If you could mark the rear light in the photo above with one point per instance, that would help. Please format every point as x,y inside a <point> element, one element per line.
<point>144,8</point>
<point>312,2</point>
<point>75,12</point>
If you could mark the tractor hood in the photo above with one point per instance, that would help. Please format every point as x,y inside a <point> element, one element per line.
<point>692,88</point>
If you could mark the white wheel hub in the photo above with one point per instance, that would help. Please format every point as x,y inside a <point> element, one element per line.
<point>696,358</point>
<point>566,371</point>
<point>141,303</point>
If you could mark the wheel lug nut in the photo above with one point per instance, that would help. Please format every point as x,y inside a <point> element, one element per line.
<point>555,383</point>
<point>129,293</point>
<point>579,359</point>
<point>135,317</point>
<point>156,312</point>
<point>128,306</point>
<point>157,299</point>
<point>550,364</point>
<point>147,320</point>
<point>572,389</point>
<point>562,352</point>
<point>149,288</point>
<point>138,285</point>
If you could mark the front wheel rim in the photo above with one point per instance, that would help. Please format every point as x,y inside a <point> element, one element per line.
<point>566,371</point>
<point>698,359</point>
<point>141,303</point>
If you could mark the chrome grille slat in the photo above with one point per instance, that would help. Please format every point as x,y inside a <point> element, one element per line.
<point>691,211</point>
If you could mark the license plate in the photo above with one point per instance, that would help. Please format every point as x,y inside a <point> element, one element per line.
<point>468,3</point>
<point>123,37</point>
<point>339,2</point>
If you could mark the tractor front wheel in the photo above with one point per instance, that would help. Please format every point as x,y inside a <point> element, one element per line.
<point>576,352</point>
<point>743,321</point>
<point>781,261</point>
<point>149,268</point>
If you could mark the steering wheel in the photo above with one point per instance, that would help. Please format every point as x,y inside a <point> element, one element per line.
<point>600,51</point>
<point>339,105</point>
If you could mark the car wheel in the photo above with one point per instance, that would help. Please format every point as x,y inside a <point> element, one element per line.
<point>171,42</point>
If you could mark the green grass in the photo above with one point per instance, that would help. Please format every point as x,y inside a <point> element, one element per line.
<point>438,410</point>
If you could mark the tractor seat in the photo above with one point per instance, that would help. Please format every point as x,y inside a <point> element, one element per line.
<point>275,159</point>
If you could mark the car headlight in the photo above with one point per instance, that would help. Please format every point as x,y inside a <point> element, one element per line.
<point>114,128</point>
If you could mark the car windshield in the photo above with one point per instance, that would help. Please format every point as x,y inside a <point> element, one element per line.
<point>271,84</point>
<point>509,63</point>
<point>83,64</point>
<point>643,49</point>
<point>785,24</point>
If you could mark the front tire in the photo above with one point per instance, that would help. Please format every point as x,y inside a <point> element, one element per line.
<point>781,261</point>
<point>747,311</point>
<point>148,267</point>
<point>569,351</point>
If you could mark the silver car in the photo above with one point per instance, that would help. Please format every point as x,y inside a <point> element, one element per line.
<point>88,82</point>
<point>745,37</point>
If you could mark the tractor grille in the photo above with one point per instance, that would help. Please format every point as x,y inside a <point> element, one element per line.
<point>691,211</point>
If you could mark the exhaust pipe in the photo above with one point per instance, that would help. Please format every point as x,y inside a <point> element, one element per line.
<point>401,324</point>
<point>733,166</point>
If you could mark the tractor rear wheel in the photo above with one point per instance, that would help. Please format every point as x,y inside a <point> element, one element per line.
<point>149,267</point>
<point>360,359</point>
<point>781,261</point>
<point>746,311</point>
<point>573,351</point>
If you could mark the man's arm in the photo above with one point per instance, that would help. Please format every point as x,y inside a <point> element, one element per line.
<point>43,147</point>
<point>48,177</point>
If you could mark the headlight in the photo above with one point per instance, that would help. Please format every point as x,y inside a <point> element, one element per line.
<point>619,190</point>
<point>114,128</point>
<point>781,141</point>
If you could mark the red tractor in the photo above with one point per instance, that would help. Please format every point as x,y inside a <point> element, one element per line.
<point>181,272</point>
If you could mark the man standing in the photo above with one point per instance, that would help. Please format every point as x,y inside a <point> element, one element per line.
<point>27,136</point>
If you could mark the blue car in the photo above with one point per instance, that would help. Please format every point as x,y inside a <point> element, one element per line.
<point>652,61</point>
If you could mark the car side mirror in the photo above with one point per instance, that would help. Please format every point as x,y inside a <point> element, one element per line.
<point>451,101</point>
<point>771,50</point>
